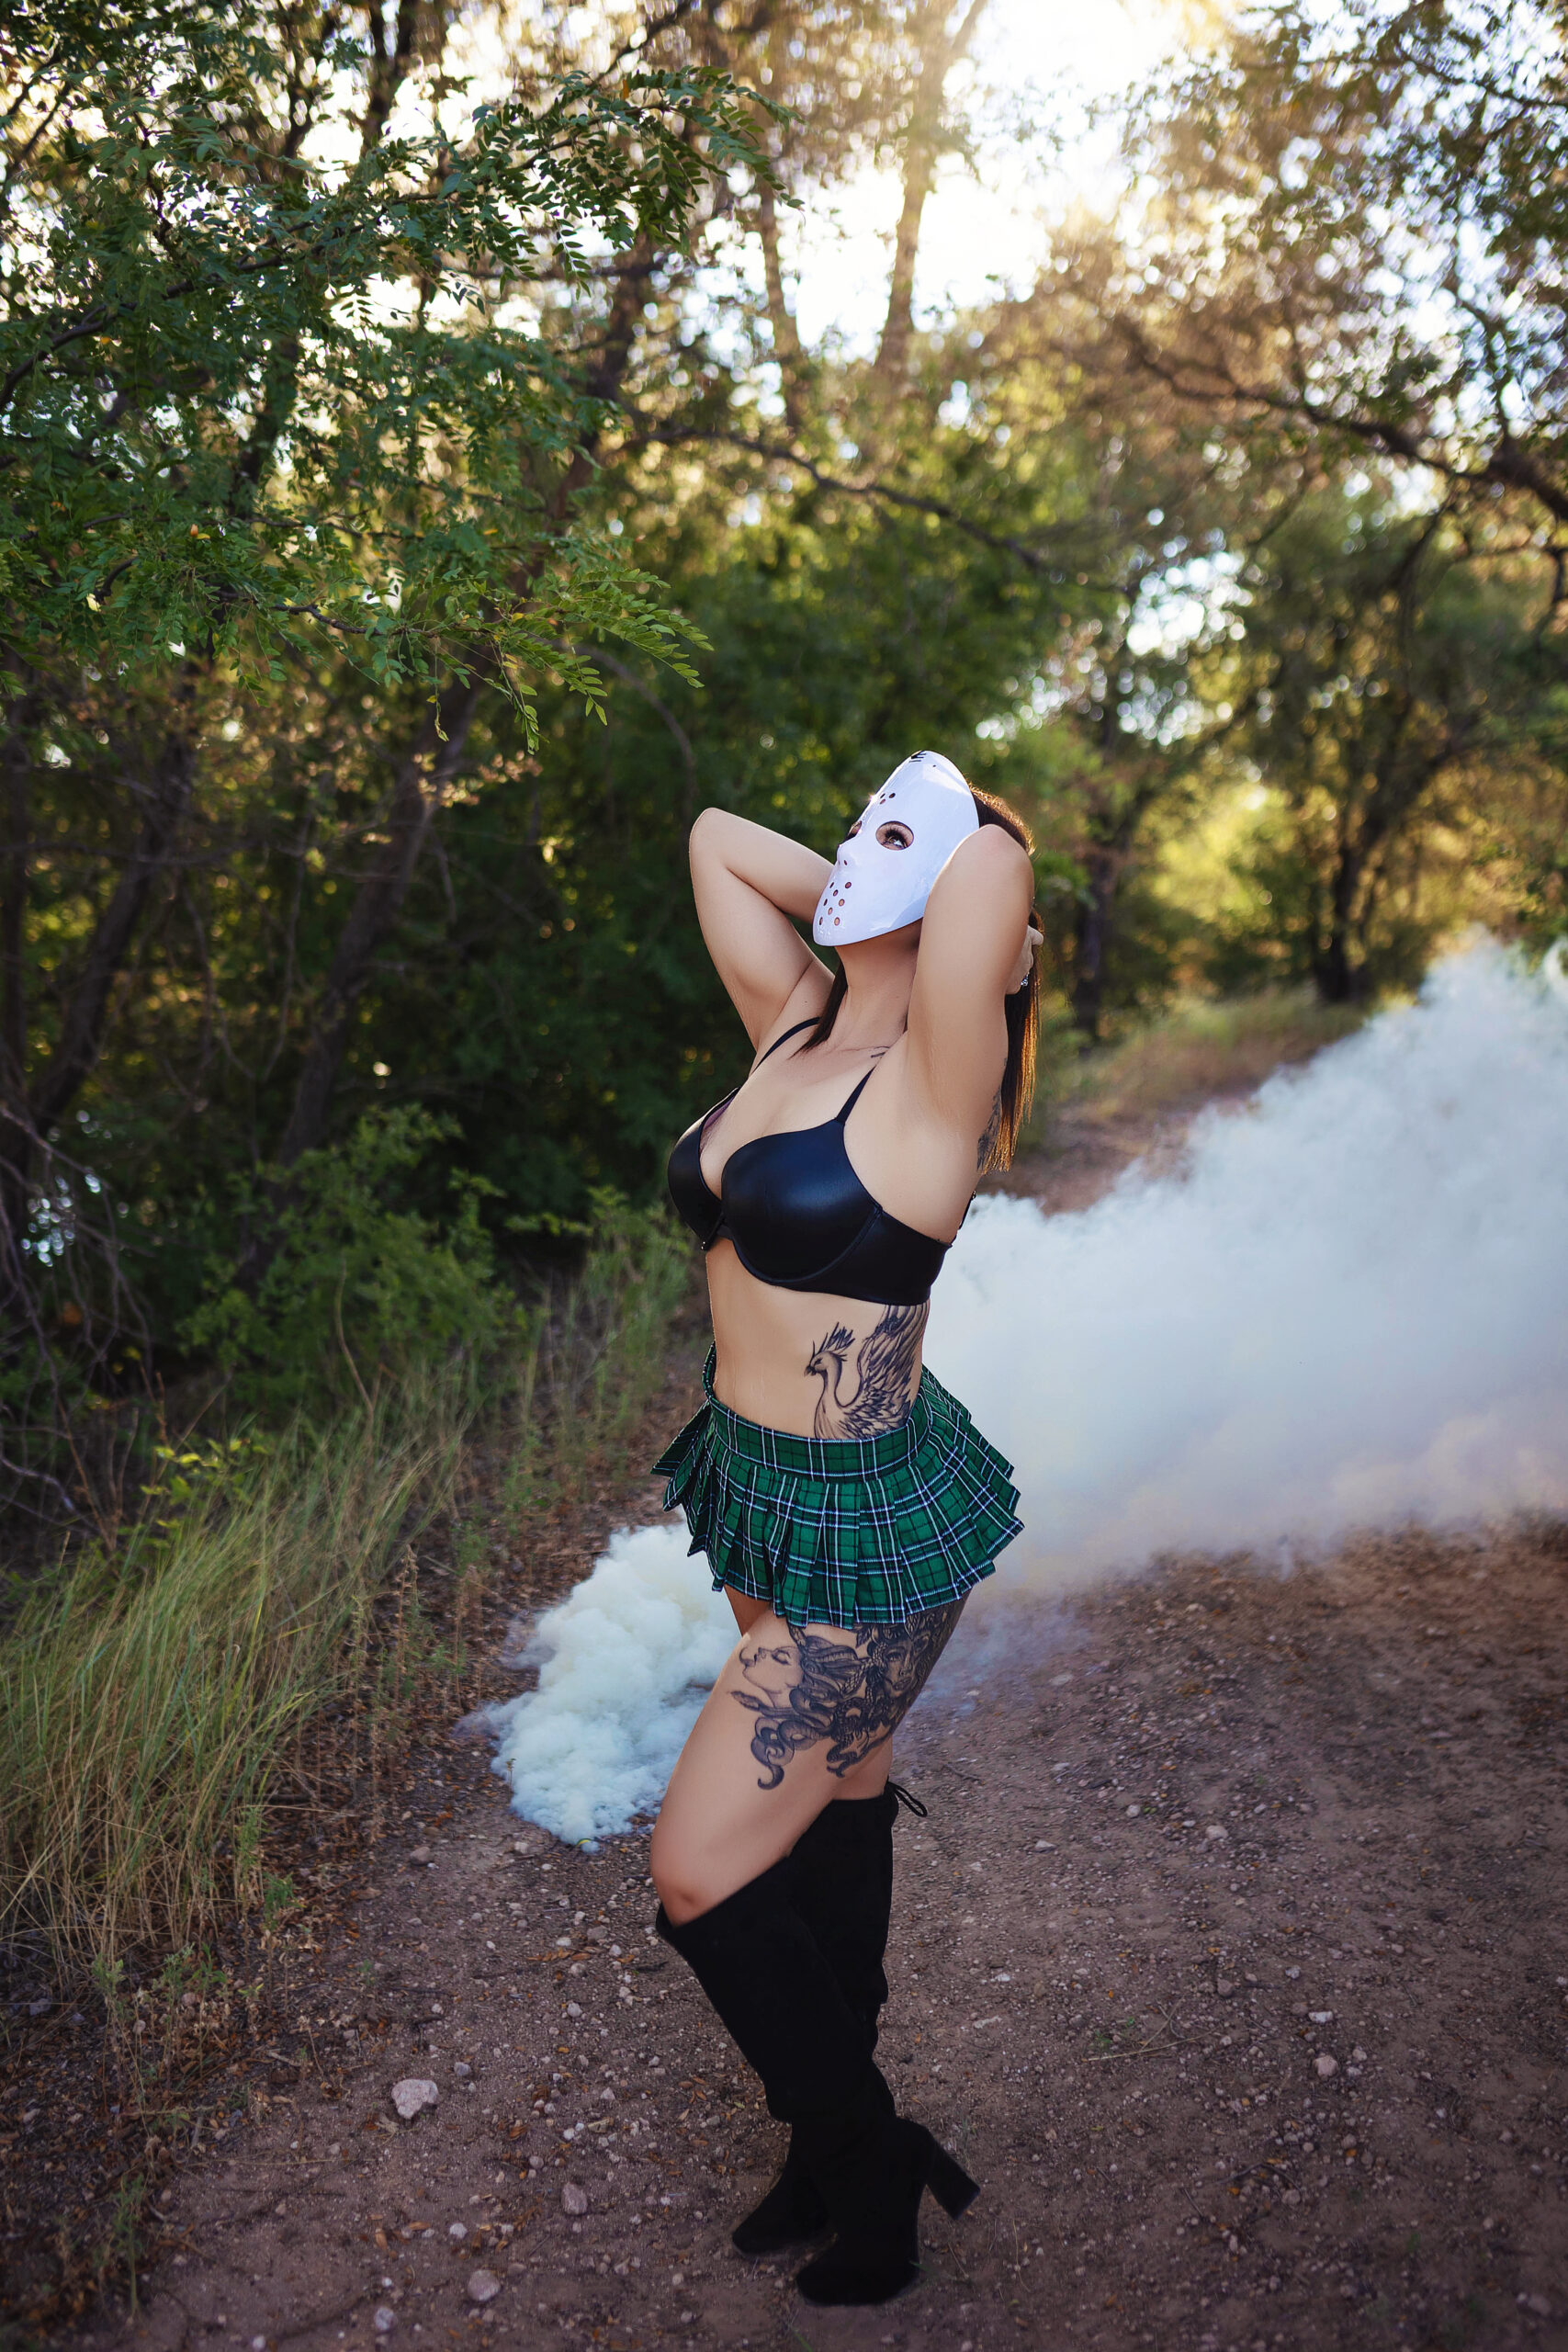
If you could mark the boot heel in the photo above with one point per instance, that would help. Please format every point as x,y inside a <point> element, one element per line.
<point>949,2184</point>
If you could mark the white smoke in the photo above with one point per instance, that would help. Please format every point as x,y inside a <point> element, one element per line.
<point>1351,1310</point>
<point>624,1664</point>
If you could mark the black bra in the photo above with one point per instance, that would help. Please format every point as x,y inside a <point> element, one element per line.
<point>797,1214</point>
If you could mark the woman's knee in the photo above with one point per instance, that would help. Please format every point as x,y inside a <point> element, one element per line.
<point>679,1880</point>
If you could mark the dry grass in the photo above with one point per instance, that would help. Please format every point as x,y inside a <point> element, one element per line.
<point>149,1699</point>
<point>1201,1051</point>
<point>598,1359</point>
<point>262,1630</point>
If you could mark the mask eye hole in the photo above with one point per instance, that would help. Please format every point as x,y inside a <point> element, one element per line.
<point>894,836</point>
<point>853,830</point>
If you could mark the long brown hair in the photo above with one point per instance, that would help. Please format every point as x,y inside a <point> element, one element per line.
<point>1021,1010</point>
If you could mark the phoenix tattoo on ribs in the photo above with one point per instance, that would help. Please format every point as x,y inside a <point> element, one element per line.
<point>879,1368</point>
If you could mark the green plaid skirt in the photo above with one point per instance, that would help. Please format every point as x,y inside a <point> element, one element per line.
<point>844,1530</point>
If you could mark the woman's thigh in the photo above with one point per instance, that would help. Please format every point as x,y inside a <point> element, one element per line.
<point>794,1720</point>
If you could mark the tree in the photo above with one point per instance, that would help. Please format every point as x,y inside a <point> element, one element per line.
<point>1401,684</point>
<point>275,403</point>
<point>1357,246</point>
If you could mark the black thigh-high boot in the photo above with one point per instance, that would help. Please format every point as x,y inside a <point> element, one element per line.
<point>766,1974</point>
<point>842,1886</point>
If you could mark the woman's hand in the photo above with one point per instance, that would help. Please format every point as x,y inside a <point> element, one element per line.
<point>747,881</point>
<point>1031,940</point>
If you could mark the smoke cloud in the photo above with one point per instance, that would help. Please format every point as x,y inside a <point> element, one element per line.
<point>1351,1311</point>
<point>624,1663</point>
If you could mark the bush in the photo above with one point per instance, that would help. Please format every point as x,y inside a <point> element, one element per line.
<point>359,1287</point>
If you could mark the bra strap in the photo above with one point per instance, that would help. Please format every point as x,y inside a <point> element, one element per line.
<point>856,1095</point>
<point>784,1039</point>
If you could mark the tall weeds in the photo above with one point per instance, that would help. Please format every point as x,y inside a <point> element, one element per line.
<point>1205,1048</point>
<point>149,1700</point>
<point>596,1360</point>
<point>257,1637</point>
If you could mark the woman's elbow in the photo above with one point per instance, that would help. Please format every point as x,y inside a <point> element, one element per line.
<point>709,829</point>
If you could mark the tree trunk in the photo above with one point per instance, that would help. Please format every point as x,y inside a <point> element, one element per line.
<point>424,773</point>
<point>81,1033</point>
<point>787,341</point>
<point>27,1115</point>
<point>1092,931</point>
<point>940,51</point>
<point>388,71</point>
<point>15,1119</point>
<point>426,770</point>
<point>1337,978</point>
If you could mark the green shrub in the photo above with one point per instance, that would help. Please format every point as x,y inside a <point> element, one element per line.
<point>359,1287</point>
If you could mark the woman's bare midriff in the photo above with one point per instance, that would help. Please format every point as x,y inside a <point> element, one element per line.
<point>808,1362</point>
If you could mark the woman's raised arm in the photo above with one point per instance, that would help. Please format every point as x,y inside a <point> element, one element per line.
<point>972,944</point>
<point>747,882</point>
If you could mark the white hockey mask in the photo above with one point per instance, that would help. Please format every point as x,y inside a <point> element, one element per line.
<point>885,870</point>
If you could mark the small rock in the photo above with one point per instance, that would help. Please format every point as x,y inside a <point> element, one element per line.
<point>1133,1811</point>
<point>1537,2304</point>
<point>420,1854</point>
<point>573,2199</point>
<point>385,2319</point>
<point>456,2232</point>
<point>1222,1986</point>
<point>687,2317</point>
<point>39,2009</point>
<point>258,2343</point>
<point>412,2093</point>
<point>483,2287</point>
<point>574,2008</point>
<point>1213,1830</point>
<point>1321,2016</point>
<point>1325,2065</point>
<point>462,2071</point>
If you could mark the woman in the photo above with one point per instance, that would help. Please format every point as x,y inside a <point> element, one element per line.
<point>844,1499</point>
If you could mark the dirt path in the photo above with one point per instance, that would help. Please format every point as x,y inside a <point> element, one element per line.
<point>1230,1958</point>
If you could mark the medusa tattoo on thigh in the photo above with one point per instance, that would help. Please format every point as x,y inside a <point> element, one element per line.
<point>852,1693</point>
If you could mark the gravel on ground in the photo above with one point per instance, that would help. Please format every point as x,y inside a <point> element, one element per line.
<point>1230,1958</point>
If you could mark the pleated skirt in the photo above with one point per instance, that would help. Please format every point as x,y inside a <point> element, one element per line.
<point>844,1530</point>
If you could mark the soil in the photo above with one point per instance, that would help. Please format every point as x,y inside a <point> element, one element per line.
<point>1229,1958</point>
<point>1085,1148</point>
